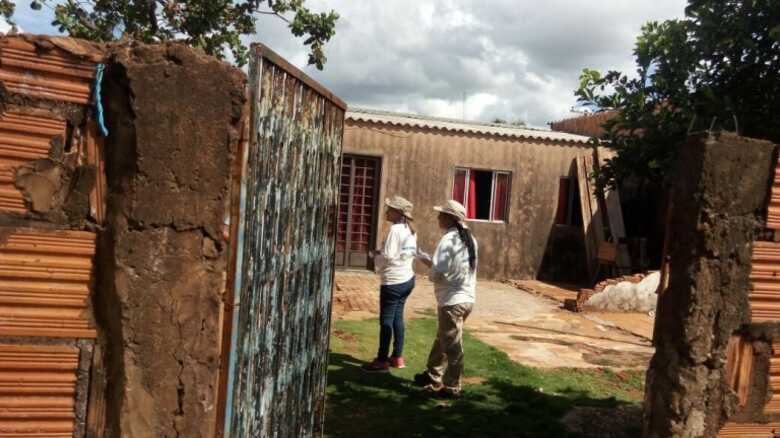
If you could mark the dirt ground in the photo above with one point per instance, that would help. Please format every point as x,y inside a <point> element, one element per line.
<point>527,322</point>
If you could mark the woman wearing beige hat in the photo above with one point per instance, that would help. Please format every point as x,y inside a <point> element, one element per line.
<point>454,275</point>
<point>394,264</point>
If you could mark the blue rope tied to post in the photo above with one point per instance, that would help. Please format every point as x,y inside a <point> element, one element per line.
<point>98,101</point>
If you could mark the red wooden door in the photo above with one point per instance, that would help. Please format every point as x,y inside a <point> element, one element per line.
<point>357,210</point>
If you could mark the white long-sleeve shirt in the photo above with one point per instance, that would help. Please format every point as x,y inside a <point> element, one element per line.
<point>394,264</point>
<point>453,279</point>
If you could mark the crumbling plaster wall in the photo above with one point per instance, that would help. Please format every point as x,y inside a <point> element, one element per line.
<point>56,188</point>
<point>173,116</point>
<point>720,188</point>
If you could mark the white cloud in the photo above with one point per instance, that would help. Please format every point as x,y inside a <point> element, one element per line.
<point>511,57</point>
<point>6,27</point>
<point>422,55</point>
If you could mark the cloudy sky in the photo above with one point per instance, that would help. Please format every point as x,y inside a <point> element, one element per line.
<point>513,59</point>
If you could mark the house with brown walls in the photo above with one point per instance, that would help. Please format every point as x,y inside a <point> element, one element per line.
<point>517,184</point>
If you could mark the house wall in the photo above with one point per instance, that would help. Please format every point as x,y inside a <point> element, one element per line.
<point>419,164</point>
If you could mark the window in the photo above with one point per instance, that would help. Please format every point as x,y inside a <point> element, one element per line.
<point>568,212</point>
<point>484,193</point>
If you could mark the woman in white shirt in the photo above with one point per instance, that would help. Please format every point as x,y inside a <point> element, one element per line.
<point>394,264</point>
<point>454,275</point>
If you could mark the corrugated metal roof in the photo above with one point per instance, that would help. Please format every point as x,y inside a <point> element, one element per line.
<point>23,138</point>
<point>54,74</point>
<point>45,281</point>
<point>764,293</point>
<point>38,390</point>
<point>586,124</point>
<point>493,129</point>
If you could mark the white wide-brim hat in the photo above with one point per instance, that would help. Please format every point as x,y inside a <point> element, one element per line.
<point>454,209</point>
<point>402,205</point>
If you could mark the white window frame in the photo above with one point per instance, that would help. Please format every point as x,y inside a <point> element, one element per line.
<point>466,191</point>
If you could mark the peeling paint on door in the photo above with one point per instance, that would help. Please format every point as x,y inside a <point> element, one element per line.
<point>285,262</point>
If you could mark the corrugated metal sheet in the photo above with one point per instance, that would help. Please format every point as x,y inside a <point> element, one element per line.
<point>773,214</point>
<point>45,280</point>
<point>53,74</point>
<point>290,189</point>
<point>493,129</point>
<point>764,293</point>
<point>38,390</point>
<point>749,430</point>
<point>23,138</point>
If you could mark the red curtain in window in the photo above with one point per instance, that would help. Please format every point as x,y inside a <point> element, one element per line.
<point>459,186</point>
<point>563,201</point>
<point>471,209</point>
<point>499,197</point>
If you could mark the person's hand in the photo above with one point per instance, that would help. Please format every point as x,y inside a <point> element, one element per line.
<point>424,258</point>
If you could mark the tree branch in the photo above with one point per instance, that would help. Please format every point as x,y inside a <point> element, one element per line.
<point>276,14</point>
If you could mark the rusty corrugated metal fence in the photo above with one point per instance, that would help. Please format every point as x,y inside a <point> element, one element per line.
<point>285,256</point>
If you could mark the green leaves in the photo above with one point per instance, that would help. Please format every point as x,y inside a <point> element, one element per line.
<point>7,8</point>
<point>775,33</point>
<point>720,64</point>
<point>216,26</point>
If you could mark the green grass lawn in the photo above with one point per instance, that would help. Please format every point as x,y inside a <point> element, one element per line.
<point>501,398</point>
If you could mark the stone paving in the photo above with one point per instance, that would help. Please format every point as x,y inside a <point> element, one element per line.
<point>531,328</point>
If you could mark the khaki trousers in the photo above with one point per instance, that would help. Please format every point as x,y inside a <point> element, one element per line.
<point>445,363</point>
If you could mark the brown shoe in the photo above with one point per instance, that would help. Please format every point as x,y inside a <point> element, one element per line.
<point>423,379</point>
<point>447,393</point>
<point>433,388</point>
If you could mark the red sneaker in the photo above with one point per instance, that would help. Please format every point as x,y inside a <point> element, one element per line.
<point>377,366</point>
<point>397,362</point>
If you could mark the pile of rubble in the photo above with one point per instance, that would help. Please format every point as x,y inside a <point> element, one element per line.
<point>631,293</point>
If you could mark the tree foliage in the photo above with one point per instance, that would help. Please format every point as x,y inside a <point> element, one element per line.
<point>212,25</point>
<point>719,67</point>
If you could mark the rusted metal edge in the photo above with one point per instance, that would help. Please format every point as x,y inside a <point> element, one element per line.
<point>229,297</point>
<point>266,52</point>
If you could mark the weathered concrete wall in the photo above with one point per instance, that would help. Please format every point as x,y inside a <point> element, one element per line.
<point>174,116</point>
<point>419,165</point>
<point>721,185</point>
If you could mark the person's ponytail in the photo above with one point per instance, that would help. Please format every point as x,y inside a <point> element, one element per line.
<point>465,237</point>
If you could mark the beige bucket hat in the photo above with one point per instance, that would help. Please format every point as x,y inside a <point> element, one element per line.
<point>402,205</point>
<point>453,208</point>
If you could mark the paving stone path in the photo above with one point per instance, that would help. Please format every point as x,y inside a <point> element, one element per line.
<point>529,326</point>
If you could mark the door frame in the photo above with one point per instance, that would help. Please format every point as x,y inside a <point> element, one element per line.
<point>374,220</point>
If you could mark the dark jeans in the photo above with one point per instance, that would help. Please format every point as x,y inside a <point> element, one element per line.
<point>392,299</point>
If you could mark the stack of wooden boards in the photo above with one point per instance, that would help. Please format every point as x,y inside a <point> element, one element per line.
<point>602,218</point>
<point>753,358</point>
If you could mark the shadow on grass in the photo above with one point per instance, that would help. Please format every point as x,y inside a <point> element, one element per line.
<point>364,404</point>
